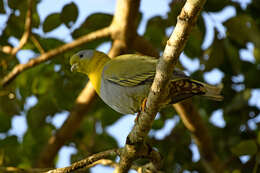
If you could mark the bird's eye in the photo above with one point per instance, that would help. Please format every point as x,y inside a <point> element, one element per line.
<point>81,55</point>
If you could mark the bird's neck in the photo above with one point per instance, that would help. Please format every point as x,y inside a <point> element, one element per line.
<point>95,72</point>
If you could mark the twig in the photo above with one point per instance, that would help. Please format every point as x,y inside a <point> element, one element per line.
<point>86,162</point>
<point>105,162</point>
<point>158,92</point>
<point>54,52</point>
<point>27,29</point>
<point>37,44</point>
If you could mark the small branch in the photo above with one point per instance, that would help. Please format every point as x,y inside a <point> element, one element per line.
<point>6,49</point>
<point>86,162</point>
<point>147,168</point>
<point>130,152</point>
<point>54,52</point>
<point>27,29</point>
<point>158,92</point>
<point>37,44</point>
<point>105,162</point>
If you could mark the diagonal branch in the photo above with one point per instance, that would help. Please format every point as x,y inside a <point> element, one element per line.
<point>87,162</point>
<point>165,67</point>
<point>37,44</point>
<point>191,119</point>
<point>105,32</point>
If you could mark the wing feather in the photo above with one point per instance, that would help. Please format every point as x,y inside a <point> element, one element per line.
<point>130,70</point>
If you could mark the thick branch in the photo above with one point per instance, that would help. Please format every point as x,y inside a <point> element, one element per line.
<point>54,52</point>
<point>165,68</point>
<point>191,119</point>
<point>124,26</point>
<point>174,46</point>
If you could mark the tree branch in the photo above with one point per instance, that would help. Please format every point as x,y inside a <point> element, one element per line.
<point>37,44</point>
<point>158,92</point>
<point>54,52</point>
<point>191,119</point>
<point>27,29</point>
<point>124,25</point>
<point>86,162</point>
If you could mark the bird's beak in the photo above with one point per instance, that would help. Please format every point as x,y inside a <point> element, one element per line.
<point>74,67</point>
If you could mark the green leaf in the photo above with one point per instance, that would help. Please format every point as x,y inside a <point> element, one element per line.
<point>257,55</point>
<point>93,22</point>
<point>155,31</point>
<point>11,150</point>
<point>51,22</point>
<point>15,4</point>
<point>2,9</point>
<point>5,123</point>
<point>258,138</point>
<point>193,46</point>
<point>214,5</point>
<point>216,57</point>
<point>248,30</point>
<point>247,147</point>
<point>69,14</point>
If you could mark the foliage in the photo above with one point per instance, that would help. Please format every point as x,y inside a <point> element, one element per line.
<point>56,88</point>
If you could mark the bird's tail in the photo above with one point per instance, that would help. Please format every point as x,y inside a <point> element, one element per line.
<point>212,92</point>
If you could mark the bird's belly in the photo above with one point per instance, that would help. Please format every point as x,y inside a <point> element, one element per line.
<point>125,100</point>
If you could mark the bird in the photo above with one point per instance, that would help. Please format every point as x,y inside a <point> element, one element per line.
<point>124,82</point>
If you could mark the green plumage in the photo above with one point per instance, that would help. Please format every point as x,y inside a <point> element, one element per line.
<point>124,81</point>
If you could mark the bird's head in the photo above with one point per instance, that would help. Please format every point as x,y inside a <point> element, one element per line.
<point>80,61</point>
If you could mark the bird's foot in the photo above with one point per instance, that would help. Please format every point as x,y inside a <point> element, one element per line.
<point>141,110</point>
